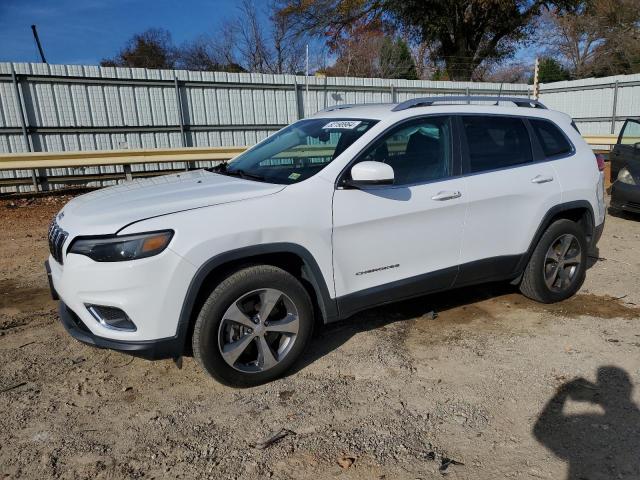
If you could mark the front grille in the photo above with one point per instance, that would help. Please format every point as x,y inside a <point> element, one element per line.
<point>57,237</point>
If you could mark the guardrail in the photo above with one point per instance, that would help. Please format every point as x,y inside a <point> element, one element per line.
<point>39,162</point>
<point>22,161</point>
<point>598,140</point>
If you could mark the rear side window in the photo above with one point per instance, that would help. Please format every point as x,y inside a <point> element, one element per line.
<point>551,139</point>
<point>496,142</point>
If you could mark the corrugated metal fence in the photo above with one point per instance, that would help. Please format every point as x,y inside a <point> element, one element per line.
<point>598,105</point>
<point>71,107</point>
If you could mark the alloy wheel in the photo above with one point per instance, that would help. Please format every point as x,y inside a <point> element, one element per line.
<point>258,330</point>
<point>562,262</point>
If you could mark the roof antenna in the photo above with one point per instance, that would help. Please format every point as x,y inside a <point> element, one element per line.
<point>499,94</point>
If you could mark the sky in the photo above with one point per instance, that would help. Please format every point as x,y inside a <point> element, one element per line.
<point>85,31</point>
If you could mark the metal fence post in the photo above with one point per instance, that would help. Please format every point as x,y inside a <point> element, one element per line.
<point>296,92</point>
<point>393,94</point>
<point>615,107</point>
<point>180,107</point>
<point>23,124</point>
<point>128,175</point>
<point>325,91</point>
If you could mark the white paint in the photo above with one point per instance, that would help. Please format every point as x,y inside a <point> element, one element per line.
<point>346,230</point>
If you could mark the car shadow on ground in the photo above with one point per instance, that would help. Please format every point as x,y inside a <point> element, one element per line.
<point>599,445</point>
<point>328,338</point>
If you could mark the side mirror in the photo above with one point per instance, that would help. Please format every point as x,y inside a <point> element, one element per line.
<point>636,145</point>
<point>371,173</point>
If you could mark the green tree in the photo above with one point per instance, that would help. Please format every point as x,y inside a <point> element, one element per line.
<point>462,33</point>
<point>396,60</point>
<point>152,48</point>
<point>550,70</point>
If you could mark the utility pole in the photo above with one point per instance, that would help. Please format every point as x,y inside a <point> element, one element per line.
<point>536,81</point>
<point>35,35</point>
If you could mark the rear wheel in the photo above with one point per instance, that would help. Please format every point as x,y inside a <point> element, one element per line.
<point>253,326</point>
<point>557,267</point>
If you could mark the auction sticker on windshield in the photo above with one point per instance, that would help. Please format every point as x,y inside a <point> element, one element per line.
<point>343,124</point>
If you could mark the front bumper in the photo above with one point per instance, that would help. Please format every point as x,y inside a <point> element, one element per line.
<point>151,291</point>
<point>625,197</point>
<point>151,350</point>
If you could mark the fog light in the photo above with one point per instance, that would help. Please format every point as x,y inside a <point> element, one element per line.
<point>112,317</point>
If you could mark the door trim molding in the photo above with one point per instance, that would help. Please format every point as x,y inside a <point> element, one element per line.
<point>480,271</point>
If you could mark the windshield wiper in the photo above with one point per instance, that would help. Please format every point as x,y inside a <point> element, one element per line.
<point>222,169</point>
<point>242,174</point>
<point>219,168</point>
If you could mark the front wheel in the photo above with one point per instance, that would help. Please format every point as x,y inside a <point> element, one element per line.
<point>557,267</point>
<point>253,326</point>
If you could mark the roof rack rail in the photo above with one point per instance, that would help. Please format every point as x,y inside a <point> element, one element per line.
<point>339,107</point>
<point>342,106</point>
<point>429,101</point>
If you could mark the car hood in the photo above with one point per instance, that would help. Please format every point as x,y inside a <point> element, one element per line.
<point>109,209</point>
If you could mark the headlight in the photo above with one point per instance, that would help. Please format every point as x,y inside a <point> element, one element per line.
<point>624,176</point>
<point>122,248</point>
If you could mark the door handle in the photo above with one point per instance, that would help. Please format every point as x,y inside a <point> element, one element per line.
<point>441,196</point>
<point>541,179</point>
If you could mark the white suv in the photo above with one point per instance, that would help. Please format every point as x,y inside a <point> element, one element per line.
<point>354,207</point>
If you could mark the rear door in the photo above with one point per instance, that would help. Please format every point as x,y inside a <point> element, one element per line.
<point>627,150</point>
<point>508,194</point>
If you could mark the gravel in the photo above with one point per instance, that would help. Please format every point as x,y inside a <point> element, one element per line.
<point>445,385</point>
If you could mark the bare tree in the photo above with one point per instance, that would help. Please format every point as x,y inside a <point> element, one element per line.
<point>620,27</point>
<point>573,37</point>
<point>513,72</point>
<point>288,46</point>
<point>211,54</point>
<point>199,55</point>
<point>258,46</point>
<point>422,55</point>
<point>252,45</point>
<point>600,37</point>
<point>225,44</point>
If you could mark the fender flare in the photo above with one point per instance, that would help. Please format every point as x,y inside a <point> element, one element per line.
<point>546,221</point>
<point>310,272</point>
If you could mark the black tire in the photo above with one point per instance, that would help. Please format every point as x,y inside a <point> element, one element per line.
<point>206,334</point>
<point>533,284</point>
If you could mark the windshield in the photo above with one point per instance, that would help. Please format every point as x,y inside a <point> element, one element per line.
<point>298,152</point>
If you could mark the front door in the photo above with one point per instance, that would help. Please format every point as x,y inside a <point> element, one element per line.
<point>401,240</point>
<point>627,150</point>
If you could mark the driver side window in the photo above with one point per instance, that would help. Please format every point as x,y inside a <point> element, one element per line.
<point>630,133</point>
<point>418,151</point>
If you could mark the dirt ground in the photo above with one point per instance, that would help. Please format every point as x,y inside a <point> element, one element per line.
<point>484,390</point>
